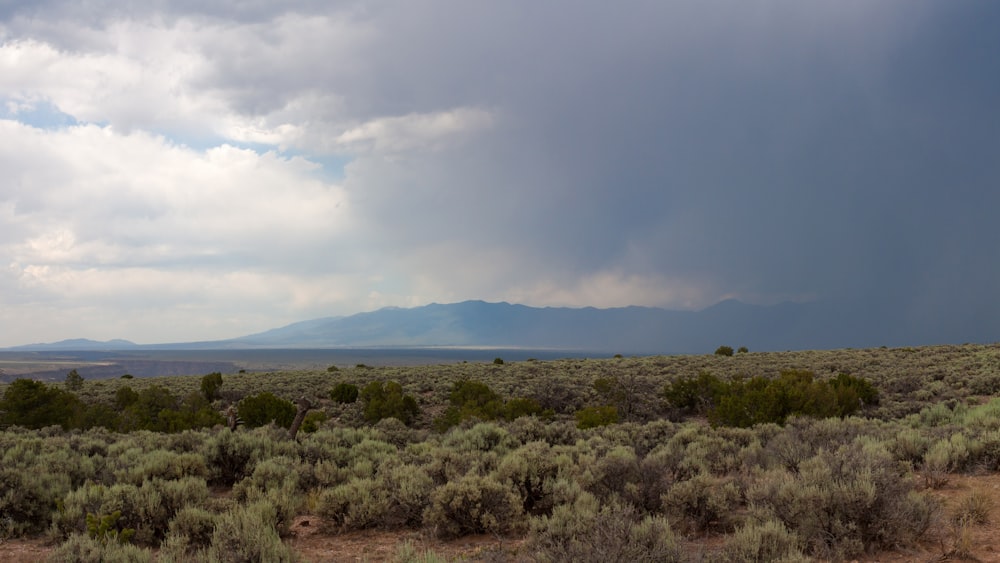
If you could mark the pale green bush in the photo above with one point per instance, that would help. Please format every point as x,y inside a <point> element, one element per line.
<point>473,505</point>
<point>285,500</point>
<point>231,456</point>
<point>845,502</point>
<point>614,475</point>
<point>195,525</point>
<point>762,543</point>
<point>531,470</point>
<point>159,464</point>
<point>409,490</point>
<point>148,509</point>
<point>247,533</point>
<point>28,498</point>
<point>585,532</point>
<point>702,501</point>
<point>357,504</point>
<point>80,548</point>
<point>483,437</point>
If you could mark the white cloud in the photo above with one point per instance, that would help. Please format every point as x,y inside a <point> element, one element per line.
<point>94,216</point>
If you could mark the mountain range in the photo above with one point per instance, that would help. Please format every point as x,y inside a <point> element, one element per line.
<point>631,330</point>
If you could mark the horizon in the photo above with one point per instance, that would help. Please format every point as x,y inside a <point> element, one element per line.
<point>186,172</point>
<point>480,325</point>
<point>83,339</point>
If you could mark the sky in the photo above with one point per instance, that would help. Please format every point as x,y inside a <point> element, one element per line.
<point>180,171</point>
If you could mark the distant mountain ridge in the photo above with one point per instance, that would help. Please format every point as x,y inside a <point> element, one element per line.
<point>631,330</point>
<point>78,344</point>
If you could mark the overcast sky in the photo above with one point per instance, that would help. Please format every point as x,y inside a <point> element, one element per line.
<point>180,170</point>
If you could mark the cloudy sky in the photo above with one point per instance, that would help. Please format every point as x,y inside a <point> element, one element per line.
<point>179,170</point>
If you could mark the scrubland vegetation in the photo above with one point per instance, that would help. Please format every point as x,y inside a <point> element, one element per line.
<point>786,456</point>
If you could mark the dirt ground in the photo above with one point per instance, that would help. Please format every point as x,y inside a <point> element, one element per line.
<point>945,542</point>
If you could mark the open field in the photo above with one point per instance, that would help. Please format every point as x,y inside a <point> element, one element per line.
<point>52,366</point>
<point>509,461</point>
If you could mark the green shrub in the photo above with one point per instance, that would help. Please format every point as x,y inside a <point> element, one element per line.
<point>344,393</point>
<point>521,406</point>
<point>105,528</point>
<point>74,381</point>
<point>470,399</point>
<point>743,402</point>
<point>696,394</point>
<point>724,351</point>
<point>313,421</point>
<point>853,393</point>
<point>593,417</point>
<point>32,404</point>
<point>210,385</point>
<point>265,408</point>
<point>148,410</point>
<point>385,400</point>
<point>125,397</point>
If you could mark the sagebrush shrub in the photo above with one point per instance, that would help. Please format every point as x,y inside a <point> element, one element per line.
<point>195,524</point>
<point>587,533</point>
<point>410,489</point>
<point>79,548</point>
<point>845,502</point>
<point>532,470</point>
<point>702,501</point>
<point>612,474</point>
<point>473,505</point>
<point>148,508</point>
<point>247,533</point>
<point>762,543</point>
<point>357,504</point>
<point>231,456</point>
<point>27,499</point>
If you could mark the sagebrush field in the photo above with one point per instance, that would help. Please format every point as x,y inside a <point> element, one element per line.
<point>746,457</point>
